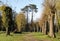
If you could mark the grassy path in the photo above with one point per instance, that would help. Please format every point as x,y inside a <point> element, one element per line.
<point>40,37</point>
<point>28,36</point>
<point>32,37</point>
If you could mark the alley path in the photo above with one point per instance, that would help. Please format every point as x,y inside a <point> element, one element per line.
<point>29,37</point>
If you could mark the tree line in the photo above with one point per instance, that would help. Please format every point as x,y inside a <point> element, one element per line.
<point>49,23</point>
<point>10,21</point>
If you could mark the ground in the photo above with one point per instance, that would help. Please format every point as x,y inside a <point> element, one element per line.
<point>28,36</point>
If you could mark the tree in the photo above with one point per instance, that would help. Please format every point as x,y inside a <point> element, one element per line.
<point>13,17</point>
<point>51,15</point>
<point>43,23</point>
<point>26,10</point>
<point>21,22</point>
<point>6,18</point>
<point>33,9</point>
<point>37,26</point>
<point>57,15</point>
<point>0,21</point>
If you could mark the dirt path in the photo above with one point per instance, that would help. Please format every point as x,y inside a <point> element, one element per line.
<point>29,37</point>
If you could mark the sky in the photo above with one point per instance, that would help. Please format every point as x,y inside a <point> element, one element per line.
<point>18,4</point>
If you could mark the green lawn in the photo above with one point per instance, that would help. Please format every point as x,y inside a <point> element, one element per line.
<point>42,37</point>
<point>20,37</point>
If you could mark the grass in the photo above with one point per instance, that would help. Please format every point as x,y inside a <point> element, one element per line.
<point>20,37</point>
<point>40,36</point>
<point>12,37</point>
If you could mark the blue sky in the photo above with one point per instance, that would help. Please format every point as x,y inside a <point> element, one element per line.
<point>18,4</point>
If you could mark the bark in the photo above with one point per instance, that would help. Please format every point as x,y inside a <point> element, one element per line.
<point>43,29</point>
<point>27,26</point>
<point>37,28</point>
<point>32,21</point>
<point>7,31</point>
<point>40,29</point>
<point>34,29</point>
<point>51,31</point>
<point>57,22</point>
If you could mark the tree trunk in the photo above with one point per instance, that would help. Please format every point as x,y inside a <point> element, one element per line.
<point>43,28</point>
<point>57,22</point>
<point>32,18</point>
<point>51,29</point>
<point>34,29</point>
<point>40,29</point>
<point>37,27</point>
<point>7,31</point>
<point>27,26</point>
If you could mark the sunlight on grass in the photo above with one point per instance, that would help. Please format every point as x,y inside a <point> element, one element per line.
<point>20,37</point>
<point>12,37</point>
<point>40,36</point>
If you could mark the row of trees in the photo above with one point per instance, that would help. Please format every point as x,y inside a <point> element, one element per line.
<point>49,22</point>
<point>10,21</point>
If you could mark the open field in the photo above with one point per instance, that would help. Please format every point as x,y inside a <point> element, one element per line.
<point>27,36</point>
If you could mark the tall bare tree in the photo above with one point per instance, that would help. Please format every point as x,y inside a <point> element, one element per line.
<point>33,8</point>
<point>26,10</point>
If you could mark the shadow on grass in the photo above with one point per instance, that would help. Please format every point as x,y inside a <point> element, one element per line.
<point>17,32</point>
<point>58,38</point>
